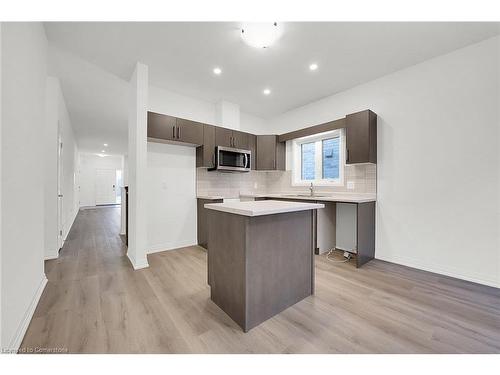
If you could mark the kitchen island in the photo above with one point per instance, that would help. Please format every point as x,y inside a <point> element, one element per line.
<point>260,257</point>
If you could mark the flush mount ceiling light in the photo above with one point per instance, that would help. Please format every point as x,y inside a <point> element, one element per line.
<point>266,91</point>
<point>105,145</point>
<point>261,34</point>
<point>313,66</point>
<point>217,71</point>
<point>103,151</point>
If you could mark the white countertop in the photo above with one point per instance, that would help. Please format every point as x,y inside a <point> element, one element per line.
<point>210,197</point>
<point>259,208</point>
<point>320,197</point>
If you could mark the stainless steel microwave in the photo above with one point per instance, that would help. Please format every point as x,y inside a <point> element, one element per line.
<point>228,159</point>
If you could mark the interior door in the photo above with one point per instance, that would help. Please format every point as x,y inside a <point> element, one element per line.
<point>59,189</point>
<point>105,186</point>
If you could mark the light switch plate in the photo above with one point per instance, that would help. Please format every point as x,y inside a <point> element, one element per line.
<point>350,185</point>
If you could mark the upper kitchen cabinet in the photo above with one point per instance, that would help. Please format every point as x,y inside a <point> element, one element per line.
<point>270,153</point>
<point>361,137</point>
<point>161,127</point>
<point>164,128</point>
<point>223,137</point>
<point>230,138</point>
<point>240,140</point>
<point>189,131</point>
<point>252,146</point>
<point>205,154</point>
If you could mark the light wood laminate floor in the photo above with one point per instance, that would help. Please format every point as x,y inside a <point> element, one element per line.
<point>95,302</point>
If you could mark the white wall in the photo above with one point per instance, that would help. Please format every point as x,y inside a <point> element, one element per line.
<point>171,196</point>
<point>88,164</point>
<point>170,103</point>
<point>23,115</point>
<point>438,161</point>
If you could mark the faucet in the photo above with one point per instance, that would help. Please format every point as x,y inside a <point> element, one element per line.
<point>311,190</point>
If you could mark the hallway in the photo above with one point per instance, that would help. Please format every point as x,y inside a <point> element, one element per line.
<point>95,302</point>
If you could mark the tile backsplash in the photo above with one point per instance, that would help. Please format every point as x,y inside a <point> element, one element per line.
<point>363,179</point>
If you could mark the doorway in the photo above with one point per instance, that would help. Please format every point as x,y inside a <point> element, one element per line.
<point>105,187</point>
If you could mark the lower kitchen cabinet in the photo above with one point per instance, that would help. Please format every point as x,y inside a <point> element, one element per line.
<point>202,220</point>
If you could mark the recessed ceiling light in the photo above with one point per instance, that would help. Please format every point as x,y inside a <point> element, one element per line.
<point>261,34</point>
<point>313,66</point>
<point>217,71</point>
<point>103,151</point>
<point>266,91</point>
<point>105,145</point>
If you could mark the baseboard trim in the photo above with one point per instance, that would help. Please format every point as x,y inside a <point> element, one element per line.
<point>445,271</point>
<point>52,255</point>
<point>72,221</point>
<point>158,248</point>
<point>138,265</point>
<point>23,327</point>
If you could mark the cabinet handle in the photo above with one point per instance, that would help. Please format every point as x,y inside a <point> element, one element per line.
<point>231,140</point>
<point>178,132</point>
<point>347,154</point>
<point>213,160</point>
<point>173,131</point>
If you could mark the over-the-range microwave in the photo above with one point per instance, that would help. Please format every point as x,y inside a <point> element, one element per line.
<point>228,159</point>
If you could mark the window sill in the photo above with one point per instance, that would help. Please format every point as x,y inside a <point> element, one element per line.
<point>318,183</point>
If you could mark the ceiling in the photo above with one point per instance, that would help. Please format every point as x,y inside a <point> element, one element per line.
<point>181,56</point>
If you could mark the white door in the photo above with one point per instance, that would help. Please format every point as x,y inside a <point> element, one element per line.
<point>59,188</point>
<point>105,186</point>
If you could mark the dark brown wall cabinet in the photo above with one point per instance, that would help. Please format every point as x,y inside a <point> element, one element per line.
<point>163,128</point>
<point>270,153</point>
<point>361,137</point>
<point>252,146</point>
<point>231,138</point>
<point>205,154</point>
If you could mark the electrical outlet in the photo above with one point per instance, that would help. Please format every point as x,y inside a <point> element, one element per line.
<point>350,185</point>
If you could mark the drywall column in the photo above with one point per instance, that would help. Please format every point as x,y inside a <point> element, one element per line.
<point>227,114</point>
<point>1,247</point>
<point>137,164</point>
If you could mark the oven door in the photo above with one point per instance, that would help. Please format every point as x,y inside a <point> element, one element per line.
<point>233,159</point>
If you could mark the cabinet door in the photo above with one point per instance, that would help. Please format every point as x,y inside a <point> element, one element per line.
<point>252,146</point>
<point>223,137</point>
<point>266,152</point>
<point>205,154</point>
<point>361,137</point>
<point>161,127</point>
<point>189,131</point>
<point>240,140</point>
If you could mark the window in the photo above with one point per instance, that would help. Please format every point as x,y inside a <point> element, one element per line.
<point>319,159</point>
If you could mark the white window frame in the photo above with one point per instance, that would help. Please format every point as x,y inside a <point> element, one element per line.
<point>318,154</point>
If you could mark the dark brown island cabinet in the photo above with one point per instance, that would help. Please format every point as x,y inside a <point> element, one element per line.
<point>202,220</point>
<point>270,153</point>
<point>260,263</point>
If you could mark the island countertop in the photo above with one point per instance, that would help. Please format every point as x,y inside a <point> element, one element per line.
<point>260,208</point>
